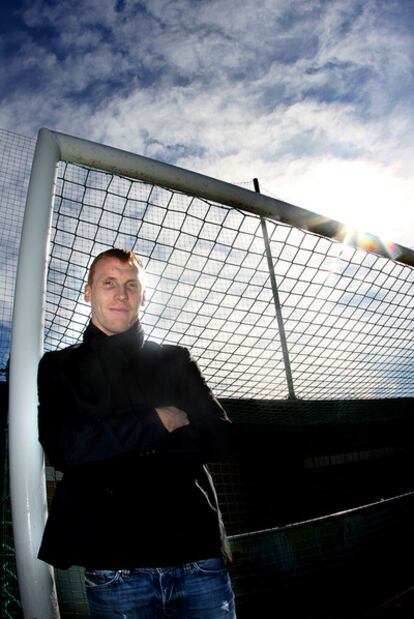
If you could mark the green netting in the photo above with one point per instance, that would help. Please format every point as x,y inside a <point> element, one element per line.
<point>10,605</point>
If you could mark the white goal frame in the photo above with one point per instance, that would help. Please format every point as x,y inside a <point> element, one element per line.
<point>27,469</point>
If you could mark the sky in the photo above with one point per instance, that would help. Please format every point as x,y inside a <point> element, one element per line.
<point>312,97</point>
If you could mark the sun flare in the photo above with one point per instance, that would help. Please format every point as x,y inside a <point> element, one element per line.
<point>368,198</point>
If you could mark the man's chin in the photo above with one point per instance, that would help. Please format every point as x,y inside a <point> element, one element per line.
<point>122,328</point>
<point>118,326</point>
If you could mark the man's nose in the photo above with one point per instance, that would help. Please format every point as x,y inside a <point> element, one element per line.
<point>121,292</point>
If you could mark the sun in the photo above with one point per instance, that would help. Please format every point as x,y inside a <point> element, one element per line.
<point>367,197</point>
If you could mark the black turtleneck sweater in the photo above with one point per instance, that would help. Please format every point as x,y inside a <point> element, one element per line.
<point>132,494</point>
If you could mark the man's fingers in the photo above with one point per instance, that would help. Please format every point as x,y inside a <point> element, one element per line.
<point>172,417</point>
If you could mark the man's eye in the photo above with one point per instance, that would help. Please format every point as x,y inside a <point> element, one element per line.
<point>108,284</point>
<point>132,286</point>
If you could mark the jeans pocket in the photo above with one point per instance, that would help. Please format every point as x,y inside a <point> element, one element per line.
<point>101,578</point>
<point>210,566</point>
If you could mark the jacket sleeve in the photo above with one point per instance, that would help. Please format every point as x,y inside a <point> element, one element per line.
<point>210,434</point>
<point>72,434</point>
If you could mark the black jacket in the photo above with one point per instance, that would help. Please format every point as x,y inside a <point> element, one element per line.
<point>132,494</point>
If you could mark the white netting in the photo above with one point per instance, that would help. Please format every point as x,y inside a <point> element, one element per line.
<point>347,313</point>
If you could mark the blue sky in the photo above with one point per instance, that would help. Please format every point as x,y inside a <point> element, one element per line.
<point>313,97</point>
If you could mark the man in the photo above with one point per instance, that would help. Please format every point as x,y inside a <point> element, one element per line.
<point>131,424</point>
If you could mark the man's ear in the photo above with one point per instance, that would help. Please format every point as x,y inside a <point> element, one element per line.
<point>144,297</point>
<point>87,293</point>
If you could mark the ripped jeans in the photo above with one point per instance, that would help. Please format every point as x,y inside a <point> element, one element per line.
<point>200,590</point>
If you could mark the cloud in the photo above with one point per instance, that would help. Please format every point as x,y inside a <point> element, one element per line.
<point>281,55</point>
<point>283,91</point>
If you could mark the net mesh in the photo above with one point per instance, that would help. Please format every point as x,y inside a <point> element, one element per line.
<point>346,317</point>
<point>346,312</point>
<point>16,154</point>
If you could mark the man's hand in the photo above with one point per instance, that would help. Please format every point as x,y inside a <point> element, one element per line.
<point>172,417</point>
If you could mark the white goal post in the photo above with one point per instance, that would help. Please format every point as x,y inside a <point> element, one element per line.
<point>27,474</point>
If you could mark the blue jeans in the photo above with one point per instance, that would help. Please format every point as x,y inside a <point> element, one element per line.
<point>200,590</point>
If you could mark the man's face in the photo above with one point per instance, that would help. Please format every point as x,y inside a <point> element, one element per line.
<point>116,295</point>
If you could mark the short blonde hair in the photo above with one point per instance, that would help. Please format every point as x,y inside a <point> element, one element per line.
<point>124,255</point>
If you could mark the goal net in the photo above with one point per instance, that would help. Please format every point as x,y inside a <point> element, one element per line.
<point>347,313</point>
<point>271,309</point>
